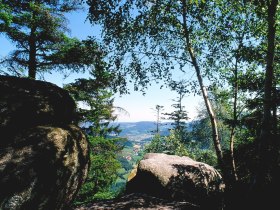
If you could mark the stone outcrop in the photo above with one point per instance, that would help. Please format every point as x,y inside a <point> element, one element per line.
<point>43,157</point>
<point>138,201</point>
<point>179,178</point>
<point>25,103</point>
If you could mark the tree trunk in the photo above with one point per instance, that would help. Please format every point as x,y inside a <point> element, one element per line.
<point>210,111</point>
<point>265,140</point>
<point>233,127</point>
<point>32,66</point>
<point>158,108</point>
<point>274,109</point>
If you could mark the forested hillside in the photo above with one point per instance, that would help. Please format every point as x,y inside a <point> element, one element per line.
<point>224,51</point>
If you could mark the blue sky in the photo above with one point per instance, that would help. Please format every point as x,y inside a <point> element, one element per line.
<point>140,107</point>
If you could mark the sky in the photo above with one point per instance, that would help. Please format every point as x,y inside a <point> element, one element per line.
<point>139,107</point>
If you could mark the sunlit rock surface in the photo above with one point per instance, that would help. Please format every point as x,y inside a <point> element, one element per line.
<point>179,178</point>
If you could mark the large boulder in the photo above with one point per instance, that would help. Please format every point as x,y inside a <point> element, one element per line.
<point>43,168</point>
<point>25,103</point>
<point>179,178</point>
<point>43,159</point>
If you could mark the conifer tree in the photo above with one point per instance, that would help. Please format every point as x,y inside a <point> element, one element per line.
<point>96,113</point>
<point>179,115</point>
<point>38,30</point>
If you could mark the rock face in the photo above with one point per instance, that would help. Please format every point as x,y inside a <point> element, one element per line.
<point>179,178</point>
<point>43,157</point>
<point>25,103</point>
<point>138,201</point>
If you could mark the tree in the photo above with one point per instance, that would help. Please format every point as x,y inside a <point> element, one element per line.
<point>103,168</point>
<point>158,35</point>
<point>158,111</point>
<point>5,14</point>
<point>94,96</point>
<point>171,145</point>
<point>96,115</point>
<point>235,42</point>
<point>153,39</point>
<point>38,30</point>
<point>269,146</point>
<point>179,115</point>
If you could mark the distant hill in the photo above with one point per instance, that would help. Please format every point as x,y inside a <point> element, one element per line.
<point>143,131</point>
<point>147,127</point>
<point>143,127</point>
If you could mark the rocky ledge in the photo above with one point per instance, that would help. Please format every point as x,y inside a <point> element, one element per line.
<point>168,182</point>
<point>135,201</point>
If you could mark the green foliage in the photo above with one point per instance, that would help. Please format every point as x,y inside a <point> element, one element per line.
<point>198,153</point>
<point>179,115</point>
<point>5,15</point>
<point>152,35</point>
<point>216,38</point>
<point>158,109</point>
<point>173,145</point>
<point>97,111</point>
<point>201,128</point>
<point>201,132</point>
<point>169,144</point>
<point>75,54</point>
<point>149,34</point>
<point>156,145</point>
<point>125,163</point>
<point>96,102</point>
<point>38,30</point>
<point>103,170</point>
<point>206,156</point>
<point>103,161</point>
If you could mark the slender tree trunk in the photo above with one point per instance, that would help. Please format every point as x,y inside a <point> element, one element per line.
<point>214,125</point>
<point>158,109</point>
<point>32,53</point>
<point>265,139</point>
<point>157,131</point>
<point>269,73</point>
<point>233,127</point>
<point>32,60</point>
<point>274,109</point>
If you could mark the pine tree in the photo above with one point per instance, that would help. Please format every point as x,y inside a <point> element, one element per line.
<point>158,111</point>
<point>96,112</point>
<point>38,29</point>
<point>179,115</point>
